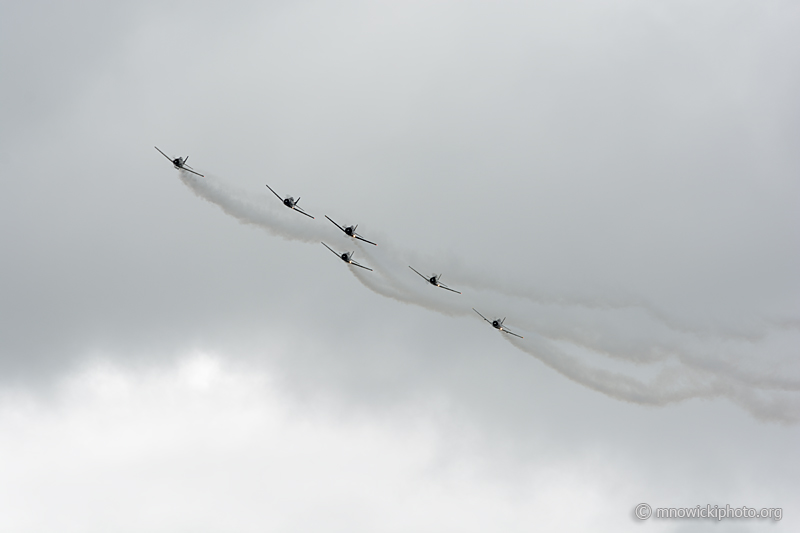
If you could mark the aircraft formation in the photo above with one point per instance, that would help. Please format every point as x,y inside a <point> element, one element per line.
<point>180,164</point>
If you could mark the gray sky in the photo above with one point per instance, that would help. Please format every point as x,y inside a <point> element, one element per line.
<point>618,179</point>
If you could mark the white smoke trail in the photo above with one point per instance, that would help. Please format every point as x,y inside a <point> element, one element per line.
<point>625,334</point>
<point>258,210</point>
<point>692,361</point>
<point>671,384</point>
<point>408,287</point>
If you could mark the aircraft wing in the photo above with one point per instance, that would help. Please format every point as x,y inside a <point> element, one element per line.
<point>192,171</point>
<point>359,237</point>
<point>331,249</point>
<point>423,277</point>
<point>448,289</point>
<point>337,225</point>
<point>483,317</point>
<point>162,153</point>
<point>301,211</point>
<point>358,265</point>
<point>276,194</point>
<point>504,330</point>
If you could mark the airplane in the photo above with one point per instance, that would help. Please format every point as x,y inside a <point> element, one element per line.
<point>180,163</point>
<point>290,202</point>
<point>350,231</point>
<point>434,280</point>
<point>498,324</point>
<point>347,257</point>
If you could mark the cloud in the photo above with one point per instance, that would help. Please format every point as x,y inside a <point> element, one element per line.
<point>205,445</point>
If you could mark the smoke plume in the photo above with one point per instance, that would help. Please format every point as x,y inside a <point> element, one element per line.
<point>657,358</point>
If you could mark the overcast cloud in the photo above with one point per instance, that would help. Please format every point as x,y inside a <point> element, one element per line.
<point>618,179</point>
